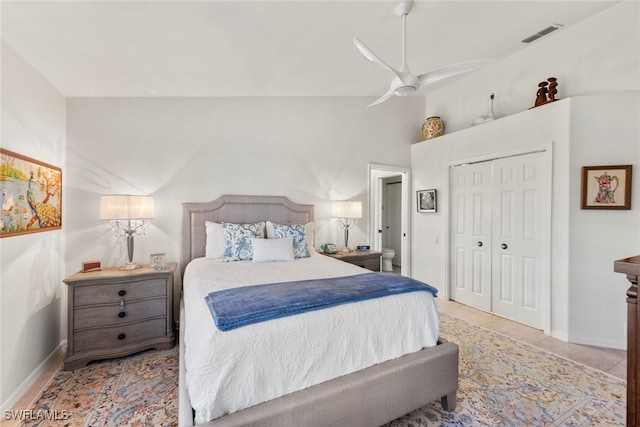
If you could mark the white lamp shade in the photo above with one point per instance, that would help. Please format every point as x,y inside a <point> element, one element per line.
<point>126,207</point>
<point>347,209</point>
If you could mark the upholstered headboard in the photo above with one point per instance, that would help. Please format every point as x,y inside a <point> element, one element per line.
<point>238,209</point>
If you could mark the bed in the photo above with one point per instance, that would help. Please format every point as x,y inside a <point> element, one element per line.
<point>305,386</point>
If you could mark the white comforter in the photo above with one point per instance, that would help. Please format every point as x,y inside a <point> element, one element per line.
<point>230,371</point>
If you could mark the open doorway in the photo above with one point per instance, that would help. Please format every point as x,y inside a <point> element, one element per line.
<point>389,211</point>
<point>392,220</point>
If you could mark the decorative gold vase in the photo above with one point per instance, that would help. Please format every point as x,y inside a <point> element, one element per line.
<point>433,127</point>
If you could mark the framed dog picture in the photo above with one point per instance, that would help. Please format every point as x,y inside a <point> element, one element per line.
<point>606,187</point>
<point>427,201</point>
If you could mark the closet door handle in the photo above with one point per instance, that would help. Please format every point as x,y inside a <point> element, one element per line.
<point>504,246</point>
<point>479,244</point>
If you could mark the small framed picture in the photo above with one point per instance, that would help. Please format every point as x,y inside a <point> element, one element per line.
<point>427,201</point>
<point>606,187</point>
<point>158,262</point>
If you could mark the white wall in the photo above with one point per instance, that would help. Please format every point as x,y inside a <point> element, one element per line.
<point>597,56</point>
<point>311,150</point>
<point>32,295</point>
<point>605,131</point>
<point>584,244</point>
<point>430,166</point>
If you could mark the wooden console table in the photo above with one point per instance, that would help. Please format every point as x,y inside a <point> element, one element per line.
<point>631,267</point>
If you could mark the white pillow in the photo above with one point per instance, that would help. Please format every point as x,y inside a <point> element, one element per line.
<point>267,250</point>
<point>215,245</point>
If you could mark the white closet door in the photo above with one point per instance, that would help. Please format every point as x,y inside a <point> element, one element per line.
<point>519,238</point>
<point>499,222</point>
<point>471,190</point>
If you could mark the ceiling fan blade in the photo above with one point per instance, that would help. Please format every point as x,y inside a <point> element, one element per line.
<point>383,98</point>
<point>372,57</point>
<point>405,82</point>
<point>452,70</point>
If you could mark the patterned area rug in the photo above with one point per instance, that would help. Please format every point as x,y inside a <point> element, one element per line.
<point>140,390</point>
<point>503,382</point>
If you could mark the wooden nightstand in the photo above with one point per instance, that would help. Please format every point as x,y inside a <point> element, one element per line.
<point>365,259</point>
<point>113,313</point>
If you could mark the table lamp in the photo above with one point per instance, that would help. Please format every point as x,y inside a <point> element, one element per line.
<point>129,215</point>
<point>347,213</point>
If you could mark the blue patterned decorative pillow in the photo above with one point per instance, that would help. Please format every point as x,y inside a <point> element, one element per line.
<point>238,240</point>
<point>300,247</point>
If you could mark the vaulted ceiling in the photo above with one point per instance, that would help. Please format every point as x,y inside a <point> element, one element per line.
<point>263,48</point>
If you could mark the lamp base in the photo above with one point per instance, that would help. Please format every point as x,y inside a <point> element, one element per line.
<point>130,266</point>
<point>345,250</point>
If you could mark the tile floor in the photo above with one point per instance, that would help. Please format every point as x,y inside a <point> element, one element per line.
<point>605,359</point>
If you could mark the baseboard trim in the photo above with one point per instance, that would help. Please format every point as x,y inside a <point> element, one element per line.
<point>618,345</point>
<point>32,378</point>
<point>562,336</point>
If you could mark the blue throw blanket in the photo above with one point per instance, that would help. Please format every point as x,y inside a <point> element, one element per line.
<point>236,307</point>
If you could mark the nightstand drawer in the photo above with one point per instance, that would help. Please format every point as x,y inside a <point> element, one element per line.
<point>114,292</point>
<point>369,264</point>
<point>365,259</point>
<point>119,335</point>
<point>112,314</point>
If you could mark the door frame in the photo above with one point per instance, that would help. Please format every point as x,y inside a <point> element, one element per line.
<point>547,149</point>
<point>376,173</point>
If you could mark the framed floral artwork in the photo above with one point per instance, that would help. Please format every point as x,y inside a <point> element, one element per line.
<point>31,198</point>
<point>427,201</point>
<point>606,187</point>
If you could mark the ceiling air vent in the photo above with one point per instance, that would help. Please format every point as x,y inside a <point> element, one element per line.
<point>541,33</point>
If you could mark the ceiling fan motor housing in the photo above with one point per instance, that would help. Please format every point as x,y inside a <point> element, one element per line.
<point>404,90</point>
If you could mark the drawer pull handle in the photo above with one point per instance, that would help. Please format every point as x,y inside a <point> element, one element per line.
<point>121,336</point>
<point>122,314</point>
<point>122,293</point>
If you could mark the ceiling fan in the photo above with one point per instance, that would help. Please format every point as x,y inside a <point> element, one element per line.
<point>405,82</point>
